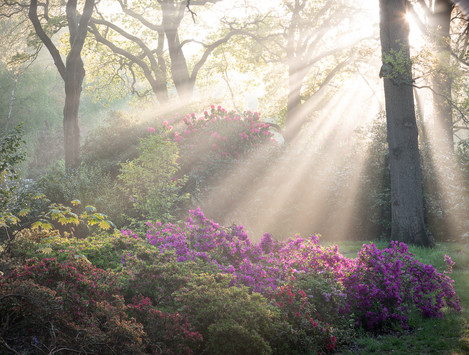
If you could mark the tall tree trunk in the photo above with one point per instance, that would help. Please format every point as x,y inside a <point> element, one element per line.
<point>172,17</point>
<point>441,80</point>
<point>74,76</point>
<point>404,158</point>
<point>72,71</point>
<point>293,115</point>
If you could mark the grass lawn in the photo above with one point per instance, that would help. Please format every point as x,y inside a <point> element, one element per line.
<point>449,335</point>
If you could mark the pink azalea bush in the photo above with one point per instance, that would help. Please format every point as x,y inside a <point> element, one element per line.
<point>199,287</point>
<point>220,133</point>
<point>73,305</point>
<point>380,287</point>
<point>219,141</point>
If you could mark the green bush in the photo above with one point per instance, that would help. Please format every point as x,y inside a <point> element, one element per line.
<point>149,180</point>
<point>10,156</point>
<point>230,319</point>
<point>89,184</point>
<point>113,143</point>
<point>228,337</point>
<point>107,251</point>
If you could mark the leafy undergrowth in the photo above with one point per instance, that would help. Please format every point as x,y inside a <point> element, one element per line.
<point>199,287</point>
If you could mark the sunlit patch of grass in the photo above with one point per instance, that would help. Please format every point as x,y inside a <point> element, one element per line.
<point>458,252</point>
<point>448,335</point>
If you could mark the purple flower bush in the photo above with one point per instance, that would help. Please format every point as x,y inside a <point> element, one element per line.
<point>227,248</point>
<point>199,287</point>
<point>384,285</point>
<point>380,287</point>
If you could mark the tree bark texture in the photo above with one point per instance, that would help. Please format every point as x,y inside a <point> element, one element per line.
<point>402,133</point>
<point>74,76</point>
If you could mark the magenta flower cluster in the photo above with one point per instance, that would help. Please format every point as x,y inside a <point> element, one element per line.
<point>221,134</point>
<point>379,287</point>
<point>384,284</point>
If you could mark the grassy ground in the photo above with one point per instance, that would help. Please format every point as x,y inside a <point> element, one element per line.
<point>449,335</point>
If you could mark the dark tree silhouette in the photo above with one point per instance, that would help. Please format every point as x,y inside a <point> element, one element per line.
<point>406,177</point>
<point>72,71</point>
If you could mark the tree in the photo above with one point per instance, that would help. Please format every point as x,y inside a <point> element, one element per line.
<point>305,48</point>
<point>311,42</point>
<point>72,71</point>
<point>47,20</point>
<point>147,31</point>
<point>402,133</point>
<point>437,27</point>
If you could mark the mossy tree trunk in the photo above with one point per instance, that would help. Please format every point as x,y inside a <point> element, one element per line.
<point>402,133</point>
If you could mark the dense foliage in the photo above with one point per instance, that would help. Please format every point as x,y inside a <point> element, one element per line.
<point>150,179</point>
<point>231,165</point>
<point>10,156</point>
<point>195,286</point>
<point>201,287</point>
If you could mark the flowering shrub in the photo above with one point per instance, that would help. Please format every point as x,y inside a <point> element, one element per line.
<point>217,143</point>
<point>229,249</point>
<point>379,287</point>
<point>220,134</point>
<point>85,308</point>
<point>309,334</point>
<point>386,284</point>
<point>167,333</point>
<point>80,284</point>
<point>47,305</point>
<point>200,287</point>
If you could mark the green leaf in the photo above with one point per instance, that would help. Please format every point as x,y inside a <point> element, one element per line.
<point>104,225</point>
<point>91,209</point>
<point>23,212</point>
<point>46,226</point>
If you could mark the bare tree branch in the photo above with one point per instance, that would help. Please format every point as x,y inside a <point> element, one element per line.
<point>45,39</point>
<point>139,17</point>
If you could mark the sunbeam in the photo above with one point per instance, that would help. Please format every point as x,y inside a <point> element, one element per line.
<point>298,188</point>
